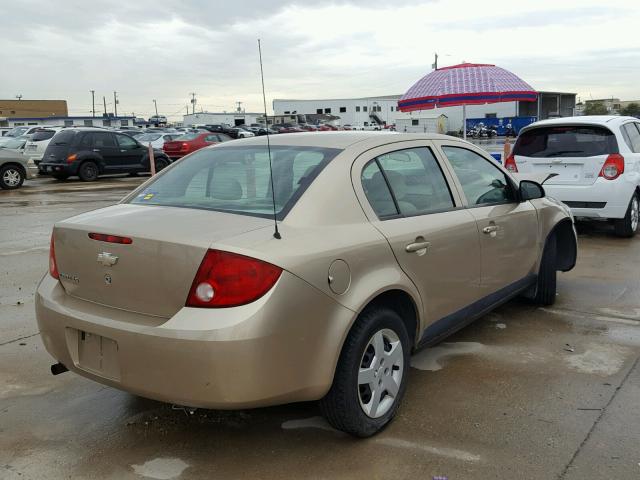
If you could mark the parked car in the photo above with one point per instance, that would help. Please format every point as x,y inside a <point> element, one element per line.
<point>239,132</point>
<point>157,139</point>
<point>157,119</point>
<point>90,152</point>
<point>595,161</point>
<point>327,128</point>
<point>290,129</point>
<point>37,144</point>
<point>16,132</point>
<point>14,169</point>
<point>218,128</point>
<point>383,245</point>
<point>190,142</point>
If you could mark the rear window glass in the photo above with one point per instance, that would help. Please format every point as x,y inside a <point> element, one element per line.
<point>42,135</point>
<point>566,141</point>
<point>237,179</point>
<point>64,137</point>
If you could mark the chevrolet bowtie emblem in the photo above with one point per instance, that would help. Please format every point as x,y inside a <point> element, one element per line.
<point>107,259</point>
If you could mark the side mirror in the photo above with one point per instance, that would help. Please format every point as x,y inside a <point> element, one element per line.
<point>530,190</point>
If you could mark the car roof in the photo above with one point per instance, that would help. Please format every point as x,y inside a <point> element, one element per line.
<point>333,139</point>
<point>603,120</point>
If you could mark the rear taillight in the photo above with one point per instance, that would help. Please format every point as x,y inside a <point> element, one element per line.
<point>72,158</point>
<point>613,167</point>
<point>510,164</point>
<point>184,147</point>
<point>105,237</point>
<point>53,266</point>
<point>227,279</point>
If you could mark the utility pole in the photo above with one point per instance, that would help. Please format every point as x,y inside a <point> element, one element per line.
<point>115,103</point>
<point>239,110</point>
<point>19,96</point>
<point>435,62</point>
<point>193,103</point>
<point>93,102</point>
<point>156,105</point>
<point>104,102</point>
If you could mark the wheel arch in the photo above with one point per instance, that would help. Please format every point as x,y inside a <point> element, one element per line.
<point>567,246</point>
<point>18,165</point>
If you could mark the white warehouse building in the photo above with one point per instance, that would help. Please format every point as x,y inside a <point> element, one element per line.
<point>361,112</point>
<point>379,110</point>
<point>215,118</point>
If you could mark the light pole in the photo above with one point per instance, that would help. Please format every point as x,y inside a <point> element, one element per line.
<point>193,103</point>
<point>156,105</point>
<point>115,103</point>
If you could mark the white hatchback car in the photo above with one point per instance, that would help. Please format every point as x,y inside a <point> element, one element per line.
<point>595,161</point>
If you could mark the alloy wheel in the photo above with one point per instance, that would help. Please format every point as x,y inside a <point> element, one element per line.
<point>380,373</point>
<point>11,177</point>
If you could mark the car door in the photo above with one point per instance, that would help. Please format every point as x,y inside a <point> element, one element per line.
<point>104,144</point>
<point>407,197</point>
<point>508,228</point>
<point>130,151</point>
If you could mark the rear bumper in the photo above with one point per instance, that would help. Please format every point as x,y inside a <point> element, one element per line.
<point>282,348</point>
<point>603,199</point>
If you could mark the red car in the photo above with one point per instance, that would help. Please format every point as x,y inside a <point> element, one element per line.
<point>327,128</point>
<point>191,142</point>
<point>291,130</point>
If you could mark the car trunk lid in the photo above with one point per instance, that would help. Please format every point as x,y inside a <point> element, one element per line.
<point>151,275</point>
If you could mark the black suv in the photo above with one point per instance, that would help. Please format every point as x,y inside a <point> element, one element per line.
<point>89,152</point>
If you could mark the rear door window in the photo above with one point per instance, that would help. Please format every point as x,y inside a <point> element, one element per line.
<point>566,141</point>
<point>416,182</point>
<point>631,134</point>
<point>103,140</point>
<point>126,142</point>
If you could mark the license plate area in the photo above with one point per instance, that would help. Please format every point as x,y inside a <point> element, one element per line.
<point>98,355</point>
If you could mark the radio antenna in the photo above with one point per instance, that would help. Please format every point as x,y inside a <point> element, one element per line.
<point>276,233</point>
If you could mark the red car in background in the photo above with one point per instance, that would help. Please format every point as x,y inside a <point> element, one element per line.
<point>190,142</point>
<point>290,129</point>
<point>327,128</point>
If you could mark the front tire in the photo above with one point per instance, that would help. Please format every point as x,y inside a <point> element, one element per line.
<point>628,226</point>
<point>11,177</point>
<point>547,275</point>
<point>88,171</point>
<point>161,164</point>
<point>370,378</point>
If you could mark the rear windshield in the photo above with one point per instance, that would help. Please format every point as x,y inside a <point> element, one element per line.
<point>237,180</point>
<point>63,137</point>
<point>566,141</point>
<point>42,135</point>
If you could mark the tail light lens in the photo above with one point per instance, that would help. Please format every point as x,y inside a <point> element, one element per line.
<point>227,279</point>
<point>72,158</point>
<point>510,164</point>
<point>613,167</point>
<point>184,147</point>
<point>53,266</point>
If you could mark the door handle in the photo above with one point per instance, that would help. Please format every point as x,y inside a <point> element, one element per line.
<point>417,247</point>
<point>96,149</point>
<point>490,229</point>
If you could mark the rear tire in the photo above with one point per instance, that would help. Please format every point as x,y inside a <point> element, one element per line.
<point>161,164</point>
<point>88,171</point>
<point>547,275</point>
<point>628,226</point>
<point>11,177</point>
<point>370,377</point>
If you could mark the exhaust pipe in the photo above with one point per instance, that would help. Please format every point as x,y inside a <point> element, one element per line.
<point>58,368</point>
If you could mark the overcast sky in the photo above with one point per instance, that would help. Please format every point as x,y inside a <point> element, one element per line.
<point>148,49</point>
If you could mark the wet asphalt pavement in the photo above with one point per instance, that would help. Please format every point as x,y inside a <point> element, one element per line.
<point>525,392</point>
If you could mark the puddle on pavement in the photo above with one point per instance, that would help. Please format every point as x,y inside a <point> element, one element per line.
<point>161,468</point>
<point>311,422</point>
<point>432,359</point>
<point>421,447</point>
<point>598,359</point>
